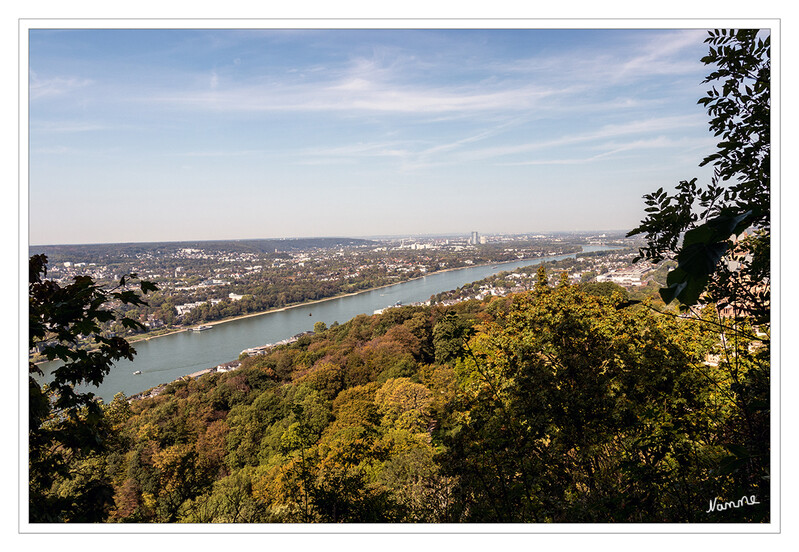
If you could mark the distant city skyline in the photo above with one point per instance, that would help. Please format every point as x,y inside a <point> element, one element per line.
<point>191,135</point>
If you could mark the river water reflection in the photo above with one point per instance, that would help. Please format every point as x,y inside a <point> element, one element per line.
<point>167,358</point>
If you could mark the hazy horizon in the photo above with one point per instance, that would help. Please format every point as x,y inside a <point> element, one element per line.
<point>148,135</point>
<point>366,237</point>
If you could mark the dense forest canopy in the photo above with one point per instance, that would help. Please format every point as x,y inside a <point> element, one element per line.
<point>552,405</point>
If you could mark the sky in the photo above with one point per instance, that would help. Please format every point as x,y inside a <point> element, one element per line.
<point>172,135</point>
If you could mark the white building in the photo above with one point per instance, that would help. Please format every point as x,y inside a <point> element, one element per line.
<point>630,276</point>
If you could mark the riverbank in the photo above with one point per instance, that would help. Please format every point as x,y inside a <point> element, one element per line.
<point>142,338</point>
<point>139,338</point>
<point>146,337</point>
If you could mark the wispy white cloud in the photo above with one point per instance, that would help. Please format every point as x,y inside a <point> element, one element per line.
<point>357,149</point>
<point>415,155</point>
<point>353,153</point>
<point>644,126</point>
<point>657,142</point>
<point>397,83</point>
<point>221,153</point>
<point>393,81</point>
<point>321,161</point>
<point>426,157</point>
<point>57,150</point>
<point>615,149</point>
<point>58,127</point>
<point>54,86</point>
<point>350,153</point>
<point>660,55</point>
<point>382,84</point>
<point>357,95</point>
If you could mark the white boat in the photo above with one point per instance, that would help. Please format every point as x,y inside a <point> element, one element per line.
<point>137,372</point>
<point>201,328</point>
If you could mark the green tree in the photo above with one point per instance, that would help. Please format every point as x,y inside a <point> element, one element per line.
<point>449,335</point>
<point>724,257</point>
<point>64,424</point>
<point>738,198</point>
<point>230,501</point>
<point>575,410</point>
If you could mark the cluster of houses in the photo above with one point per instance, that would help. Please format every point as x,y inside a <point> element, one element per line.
<point>186,307</point>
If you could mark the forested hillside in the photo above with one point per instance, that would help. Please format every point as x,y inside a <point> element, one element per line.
<point>554,405</point>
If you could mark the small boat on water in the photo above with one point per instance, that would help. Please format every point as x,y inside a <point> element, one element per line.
<point>137,372</point>
<point>201,328</point>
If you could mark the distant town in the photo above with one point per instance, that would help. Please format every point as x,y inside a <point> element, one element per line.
<point>216,280</point>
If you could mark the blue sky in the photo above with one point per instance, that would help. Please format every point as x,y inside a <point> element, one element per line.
<point>164,135</point>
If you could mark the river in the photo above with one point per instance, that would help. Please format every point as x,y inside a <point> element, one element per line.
<point>164,359</point>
